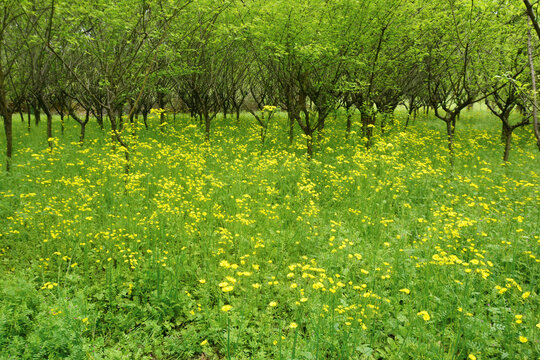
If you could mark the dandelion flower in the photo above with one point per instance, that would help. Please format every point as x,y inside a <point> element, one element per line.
<point>226,308</point>
<point>424,314</point>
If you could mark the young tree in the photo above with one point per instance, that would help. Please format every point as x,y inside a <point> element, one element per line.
<point>508,47</point>
<point>458,33</point>
<point>304,49</point>
<point>121,39</point>
<point>13,27</point>
<point>531,14</point>
<point>204,57</point>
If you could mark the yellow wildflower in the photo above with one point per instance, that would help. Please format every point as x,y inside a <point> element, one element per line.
<point>424,314</point>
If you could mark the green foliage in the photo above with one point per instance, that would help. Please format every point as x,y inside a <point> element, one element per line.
<point>167,242</point>
<point>37,326</point>
<point>380,253</point>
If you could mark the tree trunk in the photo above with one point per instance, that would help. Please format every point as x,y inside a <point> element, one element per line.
<point>120,119</point>
<point>83,127</point>
<point>37,115</point>
<point>320,133</point>
<point>100,119</point>
<point>504,132</point>
<point>116,137</point>
<point>5,111</point>
<point>6,114</point>
<point>145,118</point>
<point>112,119</point>
<point>407,121</point>
<point>413,110</point>
<point>291,128</point>
<point>28,116</point>
<point>47,112</point>
<point>365,122</point>
<point>507,144</point>
<point>83,133</point>
<point>450,133</point>
<point>8,129</point>
<point>161,104</point>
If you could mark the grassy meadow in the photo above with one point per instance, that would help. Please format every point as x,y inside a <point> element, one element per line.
<point>230,250</point>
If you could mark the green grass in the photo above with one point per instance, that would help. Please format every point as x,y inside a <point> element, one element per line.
<point>386,253</point>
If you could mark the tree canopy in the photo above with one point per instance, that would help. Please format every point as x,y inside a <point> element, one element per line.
<point>110,59</point>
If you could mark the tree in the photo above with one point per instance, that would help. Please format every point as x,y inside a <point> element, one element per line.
<point>458,33</point>
<point>304,49</point>
<point>508,47</point>
<point>203,56</point>
<point>531,14</point>
<point>12,29</point>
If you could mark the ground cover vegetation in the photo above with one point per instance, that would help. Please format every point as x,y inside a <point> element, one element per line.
<point>340,179</point>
